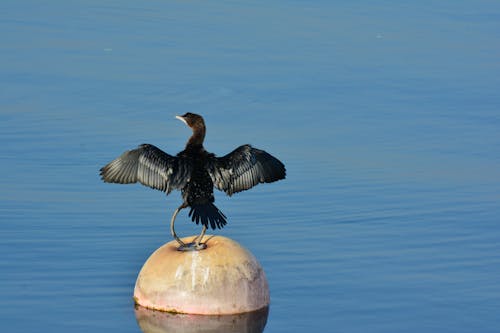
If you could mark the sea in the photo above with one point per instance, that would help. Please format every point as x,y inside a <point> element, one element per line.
<point>385,113</point>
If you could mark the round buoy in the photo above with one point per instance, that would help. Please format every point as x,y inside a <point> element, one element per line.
<point>223,278</point>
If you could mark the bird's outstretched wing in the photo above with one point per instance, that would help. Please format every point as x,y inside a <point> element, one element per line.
<point>150,166</point>
<point>244,168</point>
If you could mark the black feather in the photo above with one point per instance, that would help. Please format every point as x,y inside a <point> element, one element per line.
<point>195,172</point>
<point>244,168</point>
<point>207,214</point>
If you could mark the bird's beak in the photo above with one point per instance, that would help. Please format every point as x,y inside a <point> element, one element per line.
<point>181,119</point>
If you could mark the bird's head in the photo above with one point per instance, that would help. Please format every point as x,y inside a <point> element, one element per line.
<point>196,123</point>
<point>193,120</point>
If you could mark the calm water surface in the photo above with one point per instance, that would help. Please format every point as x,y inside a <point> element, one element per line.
<point>387,116</point>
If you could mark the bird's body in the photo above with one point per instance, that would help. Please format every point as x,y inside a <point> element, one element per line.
<point>198,193</point>
<point>195,172</point>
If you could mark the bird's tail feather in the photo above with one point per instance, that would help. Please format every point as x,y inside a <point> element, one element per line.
<point>207,213</point>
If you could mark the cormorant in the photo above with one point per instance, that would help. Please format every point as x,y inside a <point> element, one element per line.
<point>195,172</point>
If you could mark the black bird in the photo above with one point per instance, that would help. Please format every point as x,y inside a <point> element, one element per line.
<point>195,172</point>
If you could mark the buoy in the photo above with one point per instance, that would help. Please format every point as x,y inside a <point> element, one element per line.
<point>224,278</point>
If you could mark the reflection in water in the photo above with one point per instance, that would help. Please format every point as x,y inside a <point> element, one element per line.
<point>151,321</point>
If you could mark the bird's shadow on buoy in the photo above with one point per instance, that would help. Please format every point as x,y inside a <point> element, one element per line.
<point>193,246</point>
<point>151,321</point>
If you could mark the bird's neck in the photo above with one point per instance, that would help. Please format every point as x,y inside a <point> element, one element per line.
<point>197,138</point>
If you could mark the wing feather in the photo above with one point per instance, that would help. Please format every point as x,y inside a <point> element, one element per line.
<point>149,166</point>
<point>244,168</point>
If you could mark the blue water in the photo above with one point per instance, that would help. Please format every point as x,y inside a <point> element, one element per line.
<point>386,114</point>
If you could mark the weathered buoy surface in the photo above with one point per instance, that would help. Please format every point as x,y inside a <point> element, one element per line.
<point>224,278</point>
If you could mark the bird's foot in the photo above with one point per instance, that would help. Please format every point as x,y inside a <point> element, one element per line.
<point>200,246</point>
<point>193,246</point>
